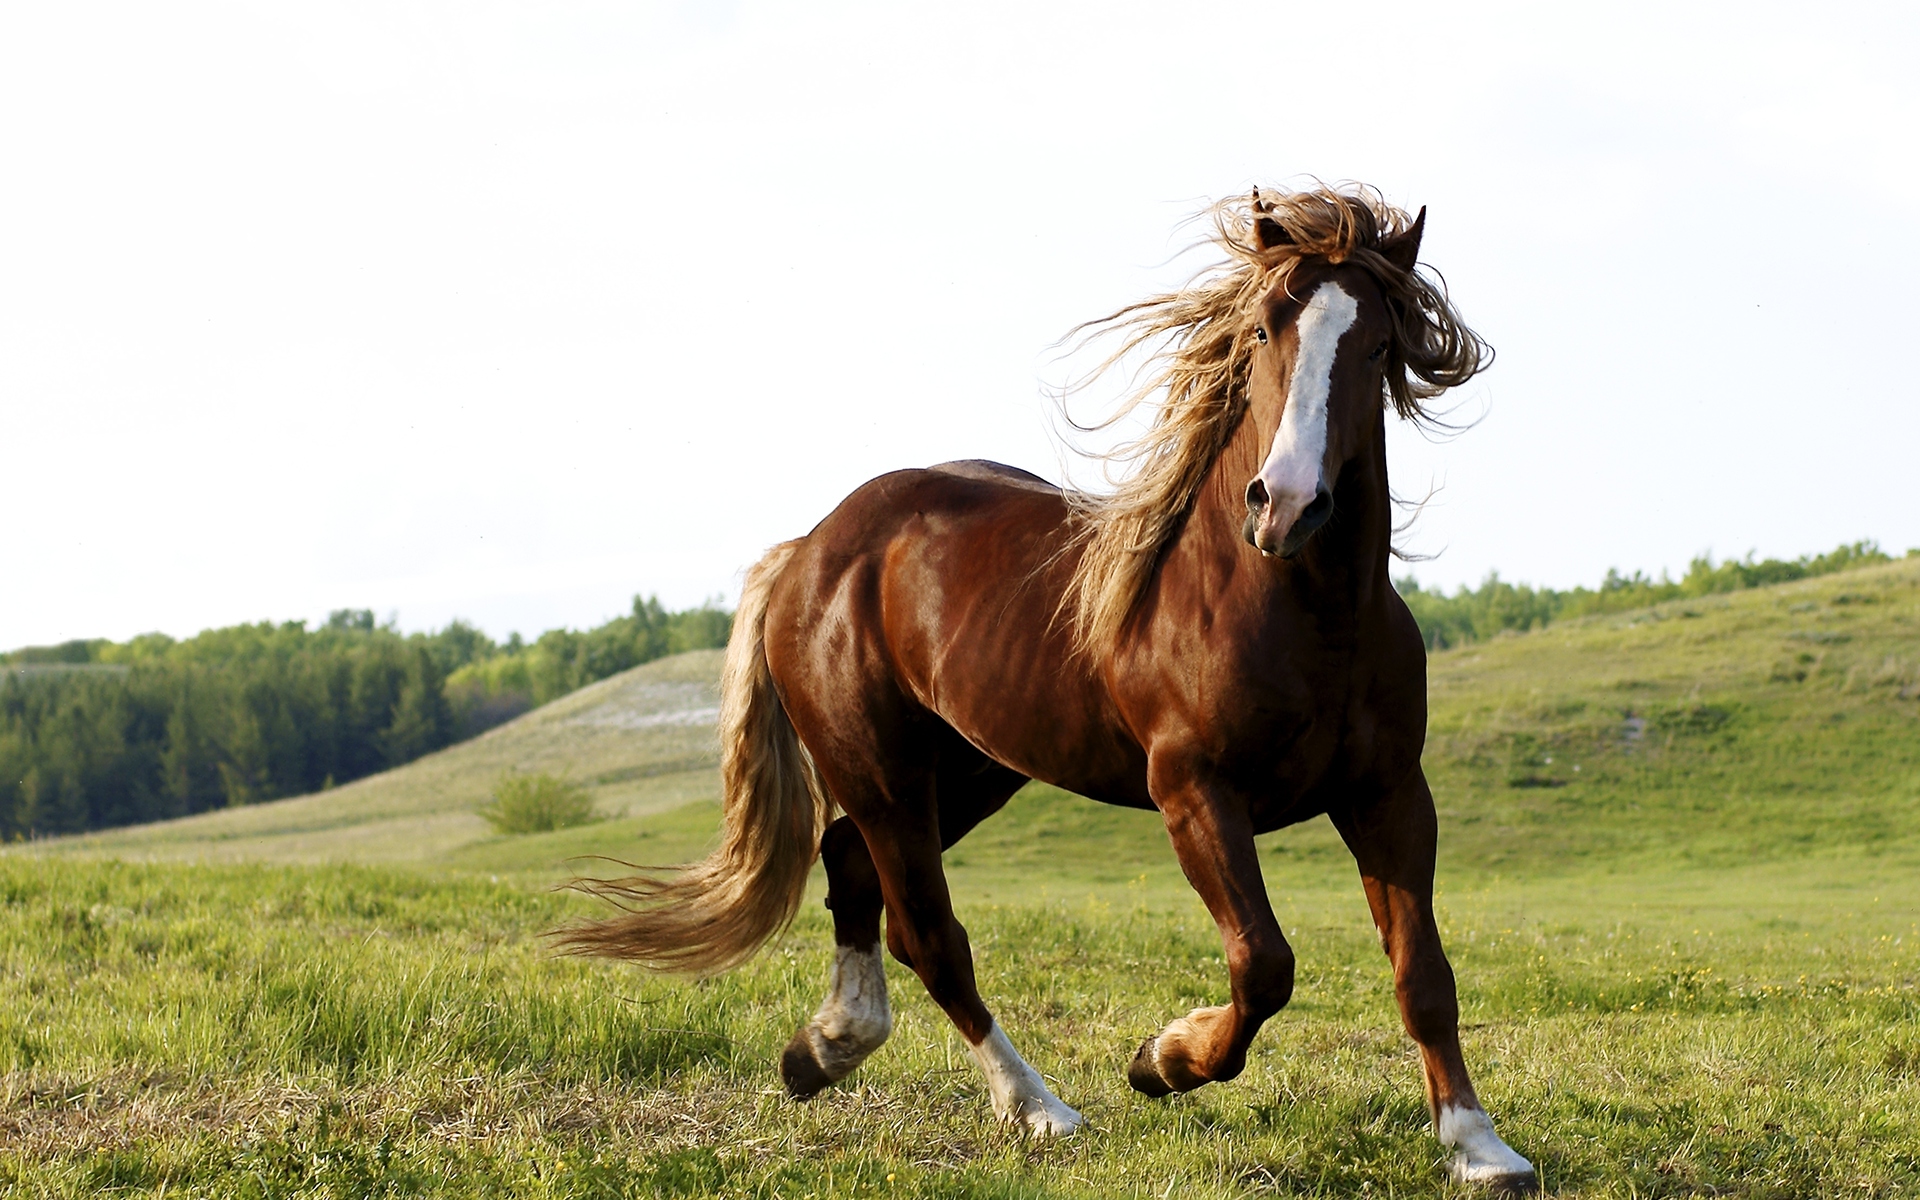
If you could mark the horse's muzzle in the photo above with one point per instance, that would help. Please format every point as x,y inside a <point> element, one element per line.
<point>1272,530</point>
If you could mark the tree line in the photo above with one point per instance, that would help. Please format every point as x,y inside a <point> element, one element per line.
<point>1474,614</point>
<point>95,733</point>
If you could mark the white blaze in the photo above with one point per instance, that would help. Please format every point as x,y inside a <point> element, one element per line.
<point>1292,470</point>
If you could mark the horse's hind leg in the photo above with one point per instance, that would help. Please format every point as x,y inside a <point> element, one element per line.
<point>1393,843</point>
<point>906,846</point>
<point>854,1019</point>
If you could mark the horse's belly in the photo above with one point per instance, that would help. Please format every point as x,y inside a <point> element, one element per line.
<point>1021,702</point>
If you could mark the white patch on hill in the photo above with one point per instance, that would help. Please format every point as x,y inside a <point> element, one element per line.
<point>653,706</point>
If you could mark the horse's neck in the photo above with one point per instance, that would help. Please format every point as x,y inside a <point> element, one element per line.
<point>1341,570</point>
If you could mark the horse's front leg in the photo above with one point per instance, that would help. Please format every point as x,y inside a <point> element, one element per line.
<point>1392,840</point>
<point>1213,837</point>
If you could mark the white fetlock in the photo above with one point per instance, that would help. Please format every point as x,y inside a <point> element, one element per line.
<point>1020,1096</point>
<point>1479,1156</point>
<point>855,1018</point>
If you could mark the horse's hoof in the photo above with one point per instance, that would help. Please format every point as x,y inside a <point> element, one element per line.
<point>801,1070</point>
<point>1527,1184</point>
<point>1143,1073</point>
<point>1047,1117</point>
<point>1480,1158</point>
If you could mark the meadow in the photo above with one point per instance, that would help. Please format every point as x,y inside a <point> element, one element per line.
<point>1678,886</point>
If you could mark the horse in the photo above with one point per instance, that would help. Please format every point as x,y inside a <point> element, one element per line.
<point>1216,638</point>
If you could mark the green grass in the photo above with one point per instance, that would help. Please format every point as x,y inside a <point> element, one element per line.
<point>334,1030</point>
<point>1688,968</point>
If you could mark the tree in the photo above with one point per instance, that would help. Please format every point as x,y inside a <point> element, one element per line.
<point>421,717</point>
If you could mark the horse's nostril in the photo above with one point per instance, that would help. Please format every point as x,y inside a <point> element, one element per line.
<point>1256,494</point>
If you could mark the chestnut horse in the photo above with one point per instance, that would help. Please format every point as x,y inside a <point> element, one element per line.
<point>1218,640</point>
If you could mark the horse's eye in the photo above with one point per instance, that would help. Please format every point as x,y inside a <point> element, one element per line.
<point>1259,335</point>
<point>1378,351</point>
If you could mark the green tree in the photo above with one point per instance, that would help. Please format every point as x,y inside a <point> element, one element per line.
<point>243,755</point>
<point>421,718</point>
<point>181,758</point>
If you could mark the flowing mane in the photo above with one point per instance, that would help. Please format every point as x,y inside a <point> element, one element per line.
<point>1200,344</point>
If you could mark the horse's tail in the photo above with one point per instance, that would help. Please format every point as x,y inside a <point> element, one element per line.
<point>708,917</point>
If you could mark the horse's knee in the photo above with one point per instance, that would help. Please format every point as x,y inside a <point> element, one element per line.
<point>1210,1044</point>
<point>1262,977</point>
<point>1428,1017</point>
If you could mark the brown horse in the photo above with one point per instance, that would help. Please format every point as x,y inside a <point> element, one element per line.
<point>1218,640</point>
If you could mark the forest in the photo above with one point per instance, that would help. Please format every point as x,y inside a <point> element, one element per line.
<point>96,733</point>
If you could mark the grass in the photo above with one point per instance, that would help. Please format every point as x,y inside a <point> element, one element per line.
<point>1687,968</point>
<point>338,1030</point>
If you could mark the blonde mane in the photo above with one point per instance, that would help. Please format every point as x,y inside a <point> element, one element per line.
<point>1199,344</point>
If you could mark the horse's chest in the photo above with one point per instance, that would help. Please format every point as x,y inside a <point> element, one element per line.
<point>1294,743</point>
<point>1293,746</point>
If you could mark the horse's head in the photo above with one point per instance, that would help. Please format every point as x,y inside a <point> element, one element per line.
<point>1282,355</point>
<point>1325,348</point>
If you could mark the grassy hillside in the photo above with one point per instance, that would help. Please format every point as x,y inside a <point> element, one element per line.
<point>642,742</point>
<point>1779,721</point>
<point>1680,887</point>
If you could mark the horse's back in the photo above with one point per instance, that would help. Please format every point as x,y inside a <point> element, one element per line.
<point>993,472</point>
<point>968,499</point>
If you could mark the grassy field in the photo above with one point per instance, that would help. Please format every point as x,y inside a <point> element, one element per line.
<point>1680,885</point>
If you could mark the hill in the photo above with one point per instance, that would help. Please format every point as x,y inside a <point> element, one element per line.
<point>1722,729</point>
<point>642,742</point>
<point>1718,730</point>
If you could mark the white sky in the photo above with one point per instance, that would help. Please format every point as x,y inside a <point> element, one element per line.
<point>508,311</point>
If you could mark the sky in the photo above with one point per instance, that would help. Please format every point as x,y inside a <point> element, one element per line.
<point>510,311</point>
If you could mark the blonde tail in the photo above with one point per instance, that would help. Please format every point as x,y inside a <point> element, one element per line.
<point>713,915</point>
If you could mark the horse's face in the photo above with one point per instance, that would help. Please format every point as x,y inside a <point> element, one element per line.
<point>1315,383</point>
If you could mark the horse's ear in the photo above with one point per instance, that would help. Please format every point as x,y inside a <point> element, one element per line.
<point>1267,232</point>
<point>1404,250</point>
